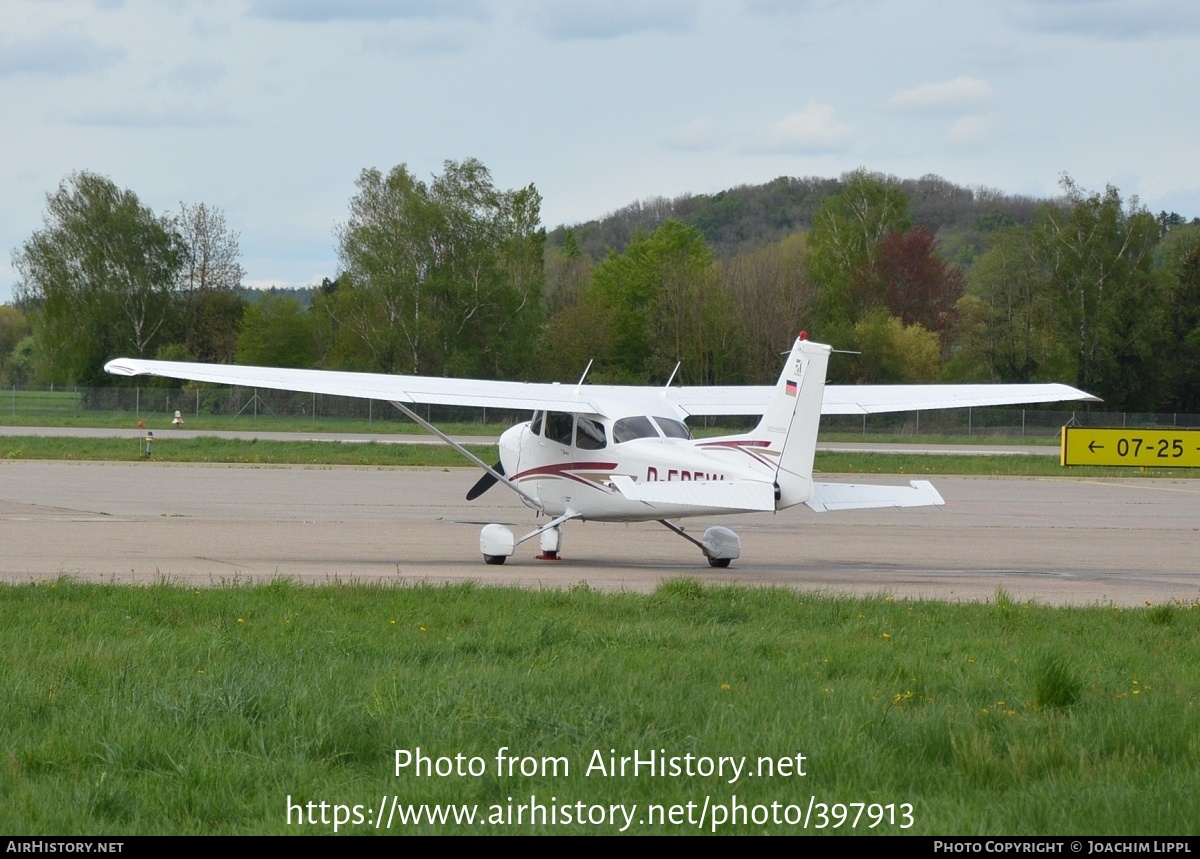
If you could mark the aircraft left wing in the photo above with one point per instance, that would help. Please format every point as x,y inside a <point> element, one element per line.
<point>430,390</point>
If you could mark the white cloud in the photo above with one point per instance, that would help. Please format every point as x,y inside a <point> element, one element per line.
<point>369,10</point>
<point>814,129</point>
<point>423,38</point>
<point>695,136</point>
<point>1112,19</point>
<point>971,130</point>
<point>158,112</point>
<point>611,19</point>
<point>63,53</point>
<point>962,92</point>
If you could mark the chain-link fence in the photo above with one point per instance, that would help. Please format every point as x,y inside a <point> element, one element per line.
<point>153,403</point>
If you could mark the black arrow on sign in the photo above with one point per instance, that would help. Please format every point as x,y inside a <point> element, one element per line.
<point>1092,446</point>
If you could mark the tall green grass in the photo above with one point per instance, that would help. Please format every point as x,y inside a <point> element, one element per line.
<point>212,449</point>
<point>172,709</point>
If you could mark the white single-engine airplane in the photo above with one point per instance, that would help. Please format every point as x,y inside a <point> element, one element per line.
<point>618,453</point>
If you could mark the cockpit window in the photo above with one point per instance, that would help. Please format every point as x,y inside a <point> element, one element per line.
<point>627,429</point>
<point>672,428</point>
<point>559,426</point>
<point>589,435</point>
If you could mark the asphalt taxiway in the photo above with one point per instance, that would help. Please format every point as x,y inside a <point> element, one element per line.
<point>1059,541</point>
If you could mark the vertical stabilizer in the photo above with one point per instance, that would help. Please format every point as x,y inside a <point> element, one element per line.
<point>792,418</point>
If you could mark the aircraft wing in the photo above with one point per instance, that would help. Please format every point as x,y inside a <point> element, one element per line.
<point>876,399</point>
<point>594,399</point>
<point>373,386</point>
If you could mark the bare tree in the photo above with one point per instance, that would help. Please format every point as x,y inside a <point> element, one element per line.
<point>211,250</point>
<point>208,282</point>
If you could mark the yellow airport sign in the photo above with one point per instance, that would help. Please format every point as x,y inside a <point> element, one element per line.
<point>1122,446</point>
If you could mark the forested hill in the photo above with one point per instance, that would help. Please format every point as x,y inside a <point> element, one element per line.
<point>750,216</point>
<point>923,279</point>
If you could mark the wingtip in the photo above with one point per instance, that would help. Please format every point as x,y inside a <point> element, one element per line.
<point>121,367</point>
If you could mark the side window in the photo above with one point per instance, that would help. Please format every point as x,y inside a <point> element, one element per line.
<point>589,435</point>
<point>559,426</point>
<point>535,424</point>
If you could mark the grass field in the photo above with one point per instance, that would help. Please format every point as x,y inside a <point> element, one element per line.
<point>211,449</point>
<point>167,709</point>
<point>240,709</point>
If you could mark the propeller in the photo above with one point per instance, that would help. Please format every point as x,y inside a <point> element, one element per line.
<point>485,483</point>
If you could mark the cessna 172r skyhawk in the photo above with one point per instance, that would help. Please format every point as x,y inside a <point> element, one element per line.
<point>616,453</point>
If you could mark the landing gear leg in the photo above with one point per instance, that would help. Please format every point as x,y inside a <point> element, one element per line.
<point>720,545</point>
<point>551,542</point>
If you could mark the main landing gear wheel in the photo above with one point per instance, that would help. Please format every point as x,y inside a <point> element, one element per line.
<point>494,560</point>
<point>720,563</point>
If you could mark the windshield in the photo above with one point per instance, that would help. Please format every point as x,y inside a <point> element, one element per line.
<point>672,428</point>
<point>628,429</point>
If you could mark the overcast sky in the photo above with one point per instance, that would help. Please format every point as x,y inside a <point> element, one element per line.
<point>270,109</point>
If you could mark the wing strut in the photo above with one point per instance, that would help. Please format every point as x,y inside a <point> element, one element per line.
<point>537,505</point>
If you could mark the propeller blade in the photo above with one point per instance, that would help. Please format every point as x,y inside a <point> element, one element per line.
<point>485,483</point>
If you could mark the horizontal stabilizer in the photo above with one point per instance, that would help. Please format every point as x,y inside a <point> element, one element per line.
<point>857,496</point>
<point>726,495</point>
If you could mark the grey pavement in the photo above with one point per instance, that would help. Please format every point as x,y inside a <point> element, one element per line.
<point>1058,540</point>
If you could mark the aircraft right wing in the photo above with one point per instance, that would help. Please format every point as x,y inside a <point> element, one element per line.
<point>875,399</point>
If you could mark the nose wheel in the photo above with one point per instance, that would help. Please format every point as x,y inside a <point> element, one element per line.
<point>497,543</point>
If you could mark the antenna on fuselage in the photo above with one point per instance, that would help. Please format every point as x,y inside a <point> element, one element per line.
<point>678,364</point>
<point>584,376</point>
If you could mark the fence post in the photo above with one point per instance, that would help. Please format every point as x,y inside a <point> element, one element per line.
<point>969,433</point>
<point>137,402</point>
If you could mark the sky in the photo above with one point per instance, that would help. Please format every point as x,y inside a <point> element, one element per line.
<point>269,110</point>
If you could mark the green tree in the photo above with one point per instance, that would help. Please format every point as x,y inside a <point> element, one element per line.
<point>1182,369</point>
<point>773,298</point>
<point>276,332</point>
<point>99,277</point>
<point>20,367</point>
<point>845,243</point>
<point>665,306</point>
<point>14,327</point>
<point>1096,254</point>
<point>444,277</point>
<point>1007,330</point>
<point>892,352</point>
